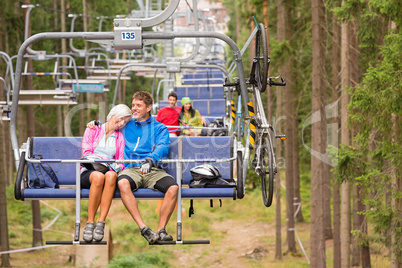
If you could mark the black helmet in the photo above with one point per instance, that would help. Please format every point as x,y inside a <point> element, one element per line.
<point>205,171</point>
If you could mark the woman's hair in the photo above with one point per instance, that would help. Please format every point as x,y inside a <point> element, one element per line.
<point>118,111</point>
<point>191,111</point>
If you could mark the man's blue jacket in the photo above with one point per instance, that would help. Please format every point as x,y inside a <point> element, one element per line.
<point>145,139</point>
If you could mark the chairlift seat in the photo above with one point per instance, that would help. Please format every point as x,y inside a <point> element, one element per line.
<point>206,107</point>
<point>201,91</point>
<point>204,149</point>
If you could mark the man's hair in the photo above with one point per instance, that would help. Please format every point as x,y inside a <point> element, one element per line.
<point>172,94</point>
<point>144,96</point>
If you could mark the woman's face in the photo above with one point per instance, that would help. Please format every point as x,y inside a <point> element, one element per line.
<point>187,106</point>
<point>121,122</point>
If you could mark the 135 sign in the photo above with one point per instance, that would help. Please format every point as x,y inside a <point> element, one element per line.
<point>127,35</point>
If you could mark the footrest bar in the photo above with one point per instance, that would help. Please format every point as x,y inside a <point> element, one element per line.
<point>184,242</point>
<point>75,242</point>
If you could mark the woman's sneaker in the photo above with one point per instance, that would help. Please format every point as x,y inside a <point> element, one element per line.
<point>99,231</point>
<point>164,236</point>
<point>87,235</point>
<point>149,235</point>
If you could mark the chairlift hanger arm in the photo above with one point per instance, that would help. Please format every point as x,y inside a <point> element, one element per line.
<point>18,72</point>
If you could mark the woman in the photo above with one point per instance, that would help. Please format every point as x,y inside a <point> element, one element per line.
<point>189,117</point>
<point>105,142</point>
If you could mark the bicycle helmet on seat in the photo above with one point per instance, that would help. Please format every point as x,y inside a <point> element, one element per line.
<point>205,171</point>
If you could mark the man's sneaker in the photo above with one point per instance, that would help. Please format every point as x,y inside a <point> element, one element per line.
<point>164,236</point>
<point>99,231</point>
<point>149,235</point>
<point>87,235</point>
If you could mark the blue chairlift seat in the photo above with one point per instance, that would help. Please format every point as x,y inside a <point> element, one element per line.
<point>203,149</point>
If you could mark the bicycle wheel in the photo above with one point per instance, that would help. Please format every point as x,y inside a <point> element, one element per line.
<point>239,130</point>
<point>240,179</point>
<point>267,172</point>
<point>261,54</point>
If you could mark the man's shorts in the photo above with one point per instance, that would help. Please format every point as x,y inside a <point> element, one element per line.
<point>137,180</point>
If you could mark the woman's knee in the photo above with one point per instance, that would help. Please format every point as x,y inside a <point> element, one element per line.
<point>97,179</point>
<point>110,178</point>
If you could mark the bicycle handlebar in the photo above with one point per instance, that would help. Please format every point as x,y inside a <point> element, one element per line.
<point>235,84</point>
<point>281,84</point>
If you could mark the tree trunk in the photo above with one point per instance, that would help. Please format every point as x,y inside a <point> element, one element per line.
<point>364,248</point>
<point>396,203</point>
<point>335,142</point>
<point>283,33</point>
<point>345,140</point>
<point>317,239</point>
<point>30,122</point>
<point>356,250</point>
<point>269,111</point>
<point>4,243</point>
<point>354,73</point>
<point>278,153</point>
<point>296,174</point>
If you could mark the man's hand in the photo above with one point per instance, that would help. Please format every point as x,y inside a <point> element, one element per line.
<point>94,123</point>
<point>146,166</point>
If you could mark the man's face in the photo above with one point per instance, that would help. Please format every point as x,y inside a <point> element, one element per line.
<point>140,110</point>
<point>172,101</point>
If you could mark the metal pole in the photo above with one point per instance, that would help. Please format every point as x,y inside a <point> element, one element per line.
<point>77,203</point>
<point>179,175</point>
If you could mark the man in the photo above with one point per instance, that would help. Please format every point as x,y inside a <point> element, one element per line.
<point>169,115</point>
<point>147,139</point>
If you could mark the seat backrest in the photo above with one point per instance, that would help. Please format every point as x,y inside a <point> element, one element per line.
<point>199,148</point>
<point>217,107</point>
<point>202,148</point>
<point>58,148</point>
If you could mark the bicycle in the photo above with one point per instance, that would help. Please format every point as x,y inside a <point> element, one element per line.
<point>260,132</point>
<point>264,161</point>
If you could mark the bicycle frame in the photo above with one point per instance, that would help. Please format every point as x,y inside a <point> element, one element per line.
<point>263,128</point>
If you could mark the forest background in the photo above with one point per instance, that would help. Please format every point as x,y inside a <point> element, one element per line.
<point>341,111</point>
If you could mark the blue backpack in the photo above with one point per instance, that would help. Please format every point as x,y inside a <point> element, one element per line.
<point>41,175</point>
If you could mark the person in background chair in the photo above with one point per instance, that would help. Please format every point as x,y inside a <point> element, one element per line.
<point>190,117</point>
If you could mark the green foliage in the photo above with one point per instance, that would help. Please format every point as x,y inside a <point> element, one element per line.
<point>140,260</point>
<point>375,112</point>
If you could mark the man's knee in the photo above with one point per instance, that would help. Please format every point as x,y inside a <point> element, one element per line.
<point>163,185</point>
<point>173,189</point>
<point>123,184</point>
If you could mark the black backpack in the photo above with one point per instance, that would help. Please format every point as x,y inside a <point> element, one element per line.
<point>218,123</point>
<point>41,175</point>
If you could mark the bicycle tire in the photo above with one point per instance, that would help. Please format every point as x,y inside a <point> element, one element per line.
<point>261,53</point>
<point>240,179</point>
<point>239,132</point>
<point>267,172</point>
